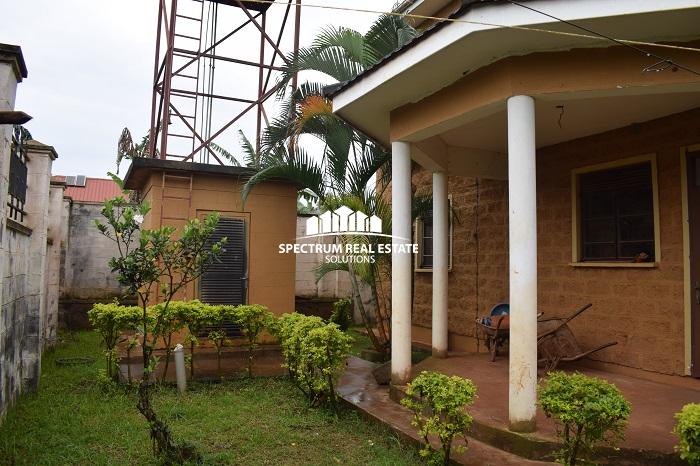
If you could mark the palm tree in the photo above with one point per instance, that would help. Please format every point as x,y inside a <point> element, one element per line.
<point>349,159</point>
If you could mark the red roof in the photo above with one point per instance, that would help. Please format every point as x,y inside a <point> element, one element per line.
<point>96,190</point>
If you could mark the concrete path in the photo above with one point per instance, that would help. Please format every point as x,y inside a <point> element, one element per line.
<point>358,388</point>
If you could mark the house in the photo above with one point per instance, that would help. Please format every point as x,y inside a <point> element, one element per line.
<point>566,137</point>
<point>251,269</point>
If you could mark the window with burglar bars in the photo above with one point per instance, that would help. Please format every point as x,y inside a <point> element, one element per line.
<point>617,214</point>
<point>17,189</point>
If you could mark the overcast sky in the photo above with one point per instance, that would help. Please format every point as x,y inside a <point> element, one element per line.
<point>90,68</point>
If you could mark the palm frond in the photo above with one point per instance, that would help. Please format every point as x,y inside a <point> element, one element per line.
<point>224,153</point>
<point>325,268</point>
<point>299,169</point>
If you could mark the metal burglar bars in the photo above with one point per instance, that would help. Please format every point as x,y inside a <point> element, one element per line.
<point>196,40</point>
<point>18,175</point>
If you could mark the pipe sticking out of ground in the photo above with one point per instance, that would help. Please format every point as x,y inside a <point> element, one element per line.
<point>180,376</point>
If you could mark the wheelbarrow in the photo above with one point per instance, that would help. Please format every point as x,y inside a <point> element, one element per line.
<point>555,341</point>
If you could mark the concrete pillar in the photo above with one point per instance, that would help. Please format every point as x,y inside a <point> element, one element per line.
<point>441,251</point>
<point>522,208</point>
<point>401,273</point>
<point>40,158</point>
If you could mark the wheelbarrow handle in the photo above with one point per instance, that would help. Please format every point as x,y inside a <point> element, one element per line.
<point>563,322</point>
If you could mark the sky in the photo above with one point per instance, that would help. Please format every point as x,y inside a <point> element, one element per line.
<point>91,62</point>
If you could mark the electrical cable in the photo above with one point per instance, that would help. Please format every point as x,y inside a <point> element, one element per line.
<point>478,23</point>
<point>662,60</point>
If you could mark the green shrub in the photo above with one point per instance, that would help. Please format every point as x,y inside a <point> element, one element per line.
<point>342,314</point>
<point>688,429</point>
<point>111,320</point>
<point>314,353</point>
<point>439,406</point>
<point>170,324</point>
<point>195,315</point>
<point>590,410</point>
<point>252,319</point>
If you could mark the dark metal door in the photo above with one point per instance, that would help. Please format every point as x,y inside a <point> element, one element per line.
<point>226,280</point>
<point>693,170</point>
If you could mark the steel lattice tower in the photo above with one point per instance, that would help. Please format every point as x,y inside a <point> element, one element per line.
<point>193,108</point>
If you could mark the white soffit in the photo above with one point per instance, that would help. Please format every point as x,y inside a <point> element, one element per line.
<point>460,48</point>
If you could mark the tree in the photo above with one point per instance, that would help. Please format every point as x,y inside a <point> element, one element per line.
<point>155,264</point>
<point>349,159</point>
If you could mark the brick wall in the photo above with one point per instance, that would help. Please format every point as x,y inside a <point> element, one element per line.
<point>642,309</point>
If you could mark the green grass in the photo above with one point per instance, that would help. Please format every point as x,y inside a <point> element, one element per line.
<point>360,340</point>
<point>75,420</point>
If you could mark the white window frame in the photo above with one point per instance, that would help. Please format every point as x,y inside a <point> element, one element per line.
<point>418,237</point>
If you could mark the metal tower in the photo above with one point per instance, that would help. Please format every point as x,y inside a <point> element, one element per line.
<point>215,70</point>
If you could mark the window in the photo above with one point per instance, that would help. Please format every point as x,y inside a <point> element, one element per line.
<point>616,213</point>
<point>424,239</point>
<point>17,188</point>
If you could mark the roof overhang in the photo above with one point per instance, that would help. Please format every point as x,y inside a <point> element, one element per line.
<point>455,49</point>
<point>141,169</point>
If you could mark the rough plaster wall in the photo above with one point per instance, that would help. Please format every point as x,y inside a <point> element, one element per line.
<point>23,305</point>
<point>53,263</point>
<point>86,274</point>
<point>333,285</point>
<point>641,309</point>
<point>479,252</point>
<point>11,321</point>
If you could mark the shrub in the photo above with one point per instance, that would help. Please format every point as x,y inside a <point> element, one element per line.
<point>314,353</point>
<point>252,319</point>
<point>194,315</point>
<point>688,429</point>
<point>439,406</point>
<point>170,324</point>
<point>342,313</point>
<point>590,410</point>
<point>110,320</point>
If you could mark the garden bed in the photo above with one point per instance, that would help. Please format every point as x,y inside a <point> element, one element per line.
<point>75,420</point>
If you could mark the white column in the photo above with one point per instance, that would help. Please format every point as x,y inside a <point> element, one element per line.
<point>441,250</point>
<point>401,273</point>
<point>522,206</point>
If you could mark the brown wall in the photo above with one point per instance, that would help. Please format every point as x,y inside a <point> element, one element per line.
<point>642,309</point>
<point>271,214</point>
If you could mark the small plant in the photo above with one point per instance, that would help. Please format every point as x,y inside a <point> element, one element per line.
<point>688,429</point>
<point>342,314</point>
<point>218,337</point>
<point>252,318</point>
<point>590,410</point>
<point>156,264</point>
<point>439,406</point>
<point>170,325</point>
<point>194,315</point>
<point>314,353</point>
<point>110,320</point>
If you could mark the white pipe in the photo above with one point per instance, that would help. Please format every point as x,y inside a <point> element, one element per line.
<point>522,222</point>
<point>441,251</point>
<point>401,273</point>
<point>180,376</point>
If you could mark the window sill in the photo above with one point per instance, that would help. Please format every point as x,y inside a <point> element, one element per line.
<point>449,269</point>
<point>619,265</point>
<point>18,227</point>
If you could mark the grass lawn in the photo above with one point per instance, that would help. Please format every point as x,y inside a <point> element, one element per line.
<point>75,420</point>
